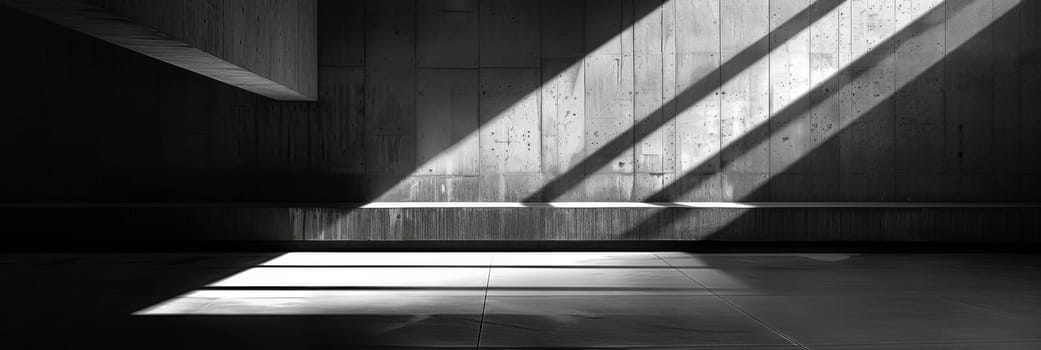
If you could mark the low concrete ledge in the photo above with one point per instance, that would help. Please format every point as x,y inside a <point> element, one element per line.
<point>742,222</point>
<point>574,205</point>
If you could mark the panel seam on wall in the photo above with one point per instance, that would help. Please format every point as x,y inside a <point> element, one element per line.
<point>478,97</point>
<point>415,93</point>
<point>892,99</point>
<point>540,85</point>
<point>366,109</point>
<point>1019,99</point>
<point>632,132</point>
<point>661,102</point>
<point>719,100</point>
<point>947,168</point>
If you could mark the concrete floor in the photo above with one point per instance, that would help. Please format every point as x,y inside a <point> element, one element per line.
<point>521,300</point>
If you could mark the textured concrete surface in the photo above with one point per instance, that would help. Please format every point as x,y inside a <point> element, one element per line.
<point>681,100</point>
<point>522,300</point>
<point>48,226</point>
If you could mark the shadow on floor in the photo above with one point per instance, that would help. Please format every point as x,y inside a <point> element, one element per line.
<point>521,300</point>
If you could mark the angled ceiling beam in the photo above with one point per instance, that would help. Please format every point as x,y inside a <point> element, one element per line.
<point>268,50</point>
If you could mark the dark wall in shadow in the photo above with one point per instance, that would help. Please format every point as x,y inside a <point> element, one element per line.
<point>91,122</point>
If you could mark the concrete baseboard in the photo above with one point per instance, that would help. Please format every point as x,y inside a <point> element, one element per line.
<point>820,222</point>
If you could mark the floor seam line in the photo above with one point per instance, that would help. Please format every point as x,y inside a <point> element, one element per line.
<point>962,342</point>
<point>731,304</point>
<point>484,306</point>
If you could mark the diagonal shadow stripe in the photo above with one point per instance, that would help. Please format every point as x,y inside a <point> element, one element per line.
<point>691,95</point>
<point>791,113</point>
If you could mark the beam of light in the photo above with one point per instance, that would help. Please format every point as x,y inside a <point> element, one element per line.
<point>303,259</point>
<point>517,128</point>
<point>733,70</point>
<point>356,277</point>
<point>313,283</point>
<point>320,302</point>
<point>907,75</point>
<point>570,143</point>
<point>870,61</point>
<point>305,283</point>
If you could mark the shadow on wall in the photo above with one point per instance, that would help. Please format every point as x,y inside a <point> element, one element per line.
<point>913,103</point>
<point>88,121</point>
<point>874,129</point>
<point>914,96</point>
<point>92,122</point>
<point>708,85</point>
<point>479,114</point>
<point>845,134</point>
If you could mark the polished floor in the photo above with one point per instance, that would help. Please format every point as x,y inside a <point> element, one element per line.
<point>538,300</point>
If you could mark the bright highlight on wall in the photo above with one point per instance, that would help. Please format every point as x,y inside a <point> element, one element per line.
<point>818,72</point>
<point>777,93</point>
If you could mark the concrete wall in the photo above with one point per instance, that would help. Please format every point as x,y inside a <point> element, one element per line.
<point>398,226</point>
<point>686,100</point>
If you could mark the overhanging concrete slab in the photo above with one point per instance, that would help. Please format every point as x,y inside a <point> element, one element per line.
<point>281,67</point>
